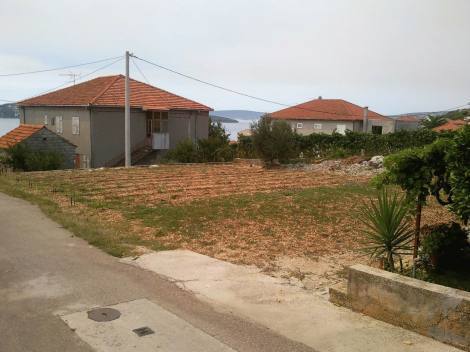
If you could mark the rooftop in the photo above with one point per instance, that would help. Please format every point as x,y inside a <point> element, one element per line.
<point>326,109</point>
<point>108,91</point>
<point>18,134</point>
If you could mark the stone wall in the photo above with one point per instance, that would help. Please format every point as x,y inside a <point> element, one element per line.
<point>45,140</point>
<point>433,310</point>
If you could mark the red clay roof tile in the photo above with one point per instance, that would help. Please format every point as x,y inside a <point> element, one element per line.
<point>18,134</point>
<point>325,109</point>
<point>109,92</point>
<point>451,125</point>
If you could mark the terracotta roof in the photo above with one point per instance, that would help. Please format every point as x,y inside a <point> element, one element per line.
<point>408,118</point>
<point>450,125</point>
<point>108,91</point>
<point>325,109</point>
<point>18,134</point>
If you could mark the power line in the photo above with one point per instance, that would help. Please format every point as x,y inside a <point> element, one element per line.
<point>58,68</point>
<point>81,77</point>
<point>138,69</point>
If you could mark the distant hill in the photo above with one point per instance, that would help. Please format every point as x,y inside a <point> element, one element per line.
<point>215,118</point>
<point>9,111</point>
<point>238,114</point>
<point>420,115</point>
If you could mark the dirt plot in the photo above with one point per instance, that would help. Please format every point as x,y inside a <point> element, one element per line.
<point>293,222</point>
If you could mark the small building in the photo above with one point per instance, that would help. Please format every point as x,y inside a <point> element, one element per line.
<point>39,138</point>
<point>406,122</point>
<point>91,116</point>
<point>452,125</point>
<point>332,115</point>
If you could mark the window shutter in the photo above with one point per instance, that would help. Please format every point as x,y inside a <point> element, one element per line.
<point>75,125</point>
<point>58,123</point>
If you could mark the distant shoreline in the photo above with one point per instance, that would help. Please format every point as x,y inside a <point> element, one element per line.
<point>8,117</point>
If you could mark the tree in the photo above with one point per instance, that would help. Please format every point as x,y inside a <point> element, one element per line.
<point>217,146</point>
<point>273,140</point>
<point>432,121</point>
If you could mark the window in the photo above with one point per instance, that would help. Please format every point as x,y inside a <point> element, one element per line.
<point>53,121</point>
<point>58,122</point>
<point>45,119</point>
<point>317,126</point>
<point>376,129</point>
<point>300,125</point>
<point>75,125</point>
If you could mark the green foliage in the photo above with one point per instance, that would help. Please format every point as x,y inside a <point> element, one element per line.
<point>215,148</point>
<point>20,157</point>
<point>445,247</point>
<point>184,152</point>
<point>321,145</point>
<point>388,233</point>
<point>456,114</point>
<point>431,121</point>
<point>458,167</point>
<point>245,147</point>
<point>273,140</point>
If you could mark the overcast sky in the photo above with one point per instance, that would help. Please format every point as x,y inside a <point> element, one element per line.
<point>395,56</point>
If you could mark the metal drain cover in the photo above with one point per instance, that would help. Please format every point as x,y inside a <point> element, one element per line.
<point>144,331</point>
<point>103,314</point>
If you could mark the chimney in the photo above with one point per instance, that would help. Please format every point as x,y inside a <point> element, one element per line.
<point>365,121</point>
<point>320,98</point>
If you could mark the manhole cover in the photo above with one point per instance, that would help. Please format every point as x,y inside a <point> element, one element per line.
<point>103,314</point>
<point>144,331</point>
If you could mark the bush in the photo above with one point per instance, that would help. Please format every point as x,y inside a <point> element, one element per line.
<point>215,148</point>
<point>20,157</point>
<point>273,140</point>
<point>387,233</point>
<point>245,147</point>
<point>445,246</point>
<point>184,152</point>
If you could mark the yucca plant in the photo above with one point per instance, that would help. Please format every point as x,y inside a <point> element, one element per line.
<point>388,233</point>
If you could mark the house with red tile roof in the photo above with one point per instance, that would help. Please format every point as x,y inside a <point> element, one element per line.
<point>332,115</point>
<point>91,116</point>
<point>451,125</point>
<point>39,138</point>
<point>407,122</point>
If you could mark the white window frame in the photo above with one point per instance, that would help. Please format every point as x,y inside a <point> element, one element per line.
<point>317,126</point>
<point>45,120</point>
<point>299,125</point>
<point>76,125</point>
<point>59,127</point>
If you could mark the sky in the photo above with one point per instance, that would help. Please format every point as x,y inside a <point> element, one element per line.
<point>394,56</point>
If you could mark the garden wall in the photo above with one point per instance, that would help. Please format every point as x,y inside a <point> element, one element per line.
<point>437,311</point>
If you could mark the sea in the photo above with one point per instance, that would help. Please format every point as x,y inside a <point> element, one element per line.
<point>6,125</point>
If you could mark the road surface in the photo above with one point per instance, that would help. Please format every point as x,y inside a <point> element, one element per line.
<point>47,273</point>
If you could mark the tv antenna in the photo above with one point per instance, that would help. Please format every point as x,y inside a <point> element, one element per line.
<point>73,76</point>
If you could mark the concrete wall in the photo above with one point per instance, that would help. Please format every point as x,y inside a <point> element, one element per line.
<point>330,126</point>
<point>406,125</point>
<point>44,140</point>
<point>107,134</point>
<point>35,116</point>
<point>184,125</point>
<point>432,310</point>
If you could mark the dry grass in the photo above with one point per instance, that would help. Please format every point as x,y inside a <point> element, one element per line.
<point>233,212</point>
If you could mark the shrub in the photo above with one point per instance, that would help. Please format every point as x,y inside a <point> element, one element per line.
<point>445,246</point>
<point>388,232</point>
<point>273,140</point>
<point>20,157</point>
<point>184,152</point>
<point>458,164</point>
<point>245,147</point>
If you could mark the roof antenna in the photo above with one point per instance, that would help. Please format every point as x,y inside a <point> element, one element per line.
<point>73,76</point>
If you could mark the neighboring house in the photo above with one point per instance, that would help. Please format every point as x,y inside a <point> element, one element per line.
<point>451,125</point>
<point>332,115</point>
<point>91,115</point>
<point>246,132</point>
<point>407,122</point>
<point>39,138</point>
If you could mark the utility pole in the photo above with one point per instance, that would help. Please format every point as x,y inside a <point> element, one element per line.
<point>127,116</point>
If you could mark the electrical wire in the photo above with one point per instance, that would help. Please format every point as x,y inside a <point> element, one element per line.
<point>58,68</point>
<point>140,71</point>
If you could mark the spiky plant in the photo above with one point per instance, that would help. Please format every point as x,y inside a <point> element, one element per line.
<point>387,230</point>
<point>432,121</point>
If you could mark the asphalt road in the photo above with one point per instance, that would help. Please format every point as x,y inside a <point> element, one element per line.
<point>45,272</point>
